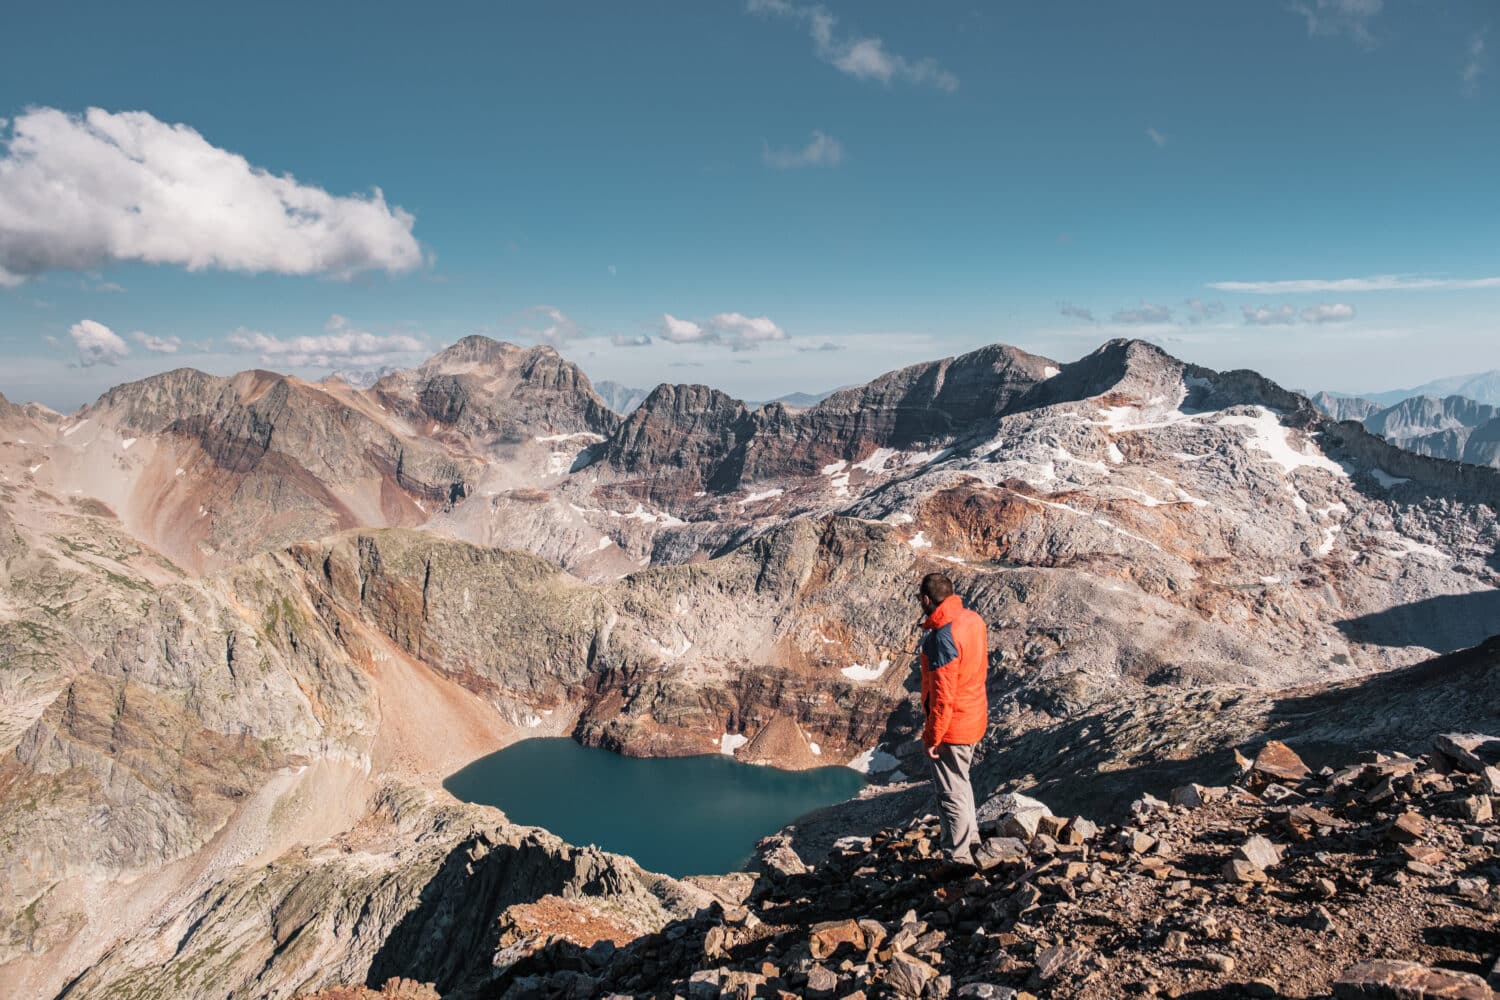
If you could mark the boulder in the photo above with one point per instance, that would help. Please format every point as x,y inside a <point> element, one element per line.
<point>1259,851</point>
<point>1278,762</point>
<point>827,938</point>
<point>1390,980</point>
<point>1408,828</point>
<point>1472,752</point>
<point>907,975</point>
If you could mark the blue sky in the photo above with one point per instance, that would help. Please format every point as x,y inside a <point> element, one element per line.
<point>779,195</point>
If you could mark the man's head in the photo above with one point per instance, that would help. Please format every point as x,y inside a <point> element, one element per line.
<point>936,588</point>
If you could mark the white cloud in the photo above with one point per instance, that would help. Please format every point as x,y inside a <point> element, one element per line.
<point>620,340</point>
<point>1146,312</point>
<point>733,330</point>
<point>1076,312</point>
<point>824,347</point>
<point>680,331</point>
<point>157,345</point>
<point>861,58</point>
<point>1375,283</point>
<point>1328,312</point>
<point>1475,60</point>
<point>1156,136</point>
<point>97,344</point>
<point>340,343</point>
<point>139,189</point>
<point>822,151</point>
<point>1341,17</point>
<point>1268,316</point>
<point>557,327</point>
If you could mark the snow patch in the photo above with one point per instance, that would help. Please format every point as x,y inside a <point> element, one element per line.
<point>70,430</point>
<point>730,742</point>
<point>1385,479</point>
<point>1268,435</point>
<point>873,760</point>
<point>919,541</point>
<point>1403,546</point>
<point>860,672</point>
<point>1270,581</point>
<point>1049,372</point>
<point>568,437</point>
<point>604,543</point>
<point>1116,456</point>
<point>33,469</point>
<point>817,750</point>
<point>900,517</point>
<point>125,445</point>
<point>876,461</point>
<point>762,495</point>
<point>834,468</point>
<point>181,471</point>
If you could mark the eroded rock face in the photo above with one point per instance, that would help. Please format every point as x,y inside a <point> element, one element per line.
<point>687,438</point>
<point>419,892</point>
<point>492,394</point>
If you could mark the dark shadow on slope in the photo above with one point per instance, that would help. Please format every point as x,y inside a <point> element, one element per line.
<point>1445,624</point>
<point>1327,725</point>
<point>1073,770</point>
<point>449,938</point>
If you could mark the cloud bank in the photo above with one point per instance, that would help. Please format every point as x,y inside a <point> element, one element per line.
<point>733,330</point>
<point>340,343</point>
<point>81,191</point>
<point>1375,283</point>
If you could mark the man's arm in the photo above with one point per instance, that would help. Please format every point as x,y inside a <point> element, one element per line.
<point>944,690</point>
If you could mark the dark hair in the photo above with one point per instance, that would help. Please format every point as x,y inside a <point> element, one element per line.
<point>936,587</point>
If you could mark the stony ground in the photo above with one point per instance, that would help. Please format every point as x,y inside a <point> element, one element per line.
<point>1377,879</point>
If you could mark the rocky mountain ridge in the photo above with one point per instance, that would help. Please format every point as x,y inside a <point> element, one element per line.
<point>236,610</point>
<point>1454,427</point>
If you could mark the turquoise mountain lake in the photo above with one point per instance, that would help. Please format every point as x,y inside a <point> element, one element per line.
<point>675,815</point>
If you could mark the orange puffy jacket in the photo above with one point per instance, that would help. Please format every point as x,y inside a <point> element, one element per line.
<point>955,664</point>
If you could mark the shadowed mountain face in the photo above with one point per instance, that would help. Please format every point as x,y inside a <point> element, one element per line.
<point>251,623</point>
<point>1454,427</point>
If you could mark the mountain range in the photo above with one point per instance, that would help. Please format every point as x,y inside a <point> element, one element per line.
<point>1482,387</point>
<point>1454,427</point>
<point>250,623</point>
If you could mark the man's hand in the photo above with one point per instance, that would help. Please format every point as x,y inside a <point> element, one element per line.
<point>932,752</point>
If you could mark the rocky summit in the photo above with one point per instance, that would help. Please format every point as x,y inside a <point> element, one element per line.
<point>249,624</point>
<point>1376,878</point>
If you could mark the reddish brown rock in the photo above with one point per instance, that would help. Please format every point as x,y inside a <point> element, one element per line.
<point>1277,760</point>
<point>827,938</point>
<point>1387,980</point>
<point>1408,828</point>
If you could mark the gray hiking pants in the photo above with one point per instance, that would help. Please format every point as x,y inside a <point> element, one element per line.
<point>950,775</point>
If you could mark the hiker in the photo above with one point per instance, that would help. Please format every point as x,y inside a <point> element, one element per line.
<point>955,662</point>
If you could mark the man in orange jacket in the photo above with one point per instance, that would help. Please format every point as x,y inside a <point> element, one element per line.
<point>955,664</point>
